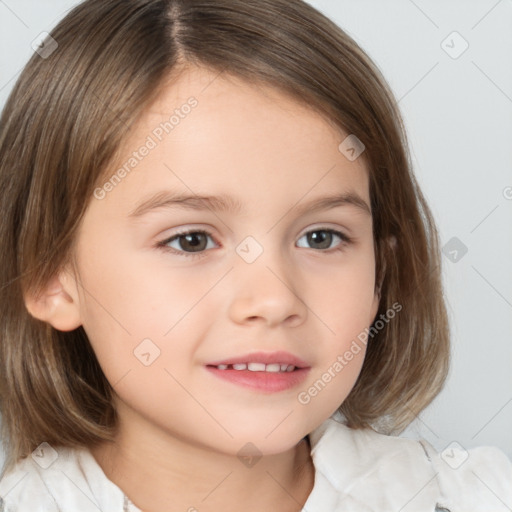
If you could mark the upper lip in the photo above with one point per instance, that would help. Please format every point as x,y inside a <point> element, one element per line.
<point>266,358</point>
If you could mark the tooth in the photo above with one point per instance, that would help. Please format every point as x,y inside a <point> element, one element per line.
<point>259,367</point>
<point>256,367</point>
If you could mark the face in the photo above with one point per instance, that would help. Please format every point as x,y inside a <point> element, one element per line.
<point>273,275</point>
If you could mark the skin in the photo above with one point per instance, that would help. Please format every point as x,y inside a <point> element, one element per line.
<point>181,428</point>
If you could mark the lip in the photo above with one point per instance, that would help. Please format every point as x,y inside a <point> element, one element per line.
<point>265,382</point>
<point>279,356</point>
<point>262,381</point>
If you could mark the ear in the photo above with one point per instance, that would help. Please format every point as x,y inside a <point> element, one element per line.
<point>58,303</point>
<point>391,241</point>
<point>375,306</point>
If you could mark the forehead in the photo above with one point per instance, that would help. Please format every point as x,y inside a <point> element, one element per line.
<point>214,133</point>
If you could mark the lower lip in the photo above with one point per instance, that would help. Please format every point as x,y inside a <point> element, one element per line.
<point>262,381</point>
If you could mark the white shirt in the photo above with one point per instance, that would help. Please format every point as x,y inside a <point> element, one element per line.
<point>355,471</point>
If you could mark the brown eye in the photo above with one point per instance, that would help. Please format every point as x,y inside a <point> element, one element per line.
<point>323,238</point>
<point>188,242</point>
<point>195,242</point>
<point>192,242</point>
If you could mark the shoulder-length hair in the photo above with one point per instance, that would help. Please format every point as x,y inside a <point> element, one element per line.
<point>62,127</point>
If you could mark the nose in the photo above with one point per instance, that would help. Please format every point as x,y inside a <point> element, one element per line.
<point>267,291</point>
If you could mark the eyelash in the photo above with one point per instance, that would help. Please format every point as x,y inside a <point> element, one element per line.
<point>163,244</point>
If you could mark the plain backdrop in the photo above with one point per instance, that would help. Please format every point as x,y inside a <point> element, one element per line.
<point>448,63</point>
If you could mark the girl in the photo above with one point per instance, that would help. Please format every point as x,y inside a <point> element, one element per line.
<point>269,366</point>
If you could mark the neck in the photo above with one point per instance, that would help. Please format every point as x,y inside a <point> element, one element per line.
<point>160,473</point>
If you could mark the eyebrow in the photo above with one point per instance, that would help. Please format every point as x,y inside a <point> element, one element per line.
<point>224,203</point>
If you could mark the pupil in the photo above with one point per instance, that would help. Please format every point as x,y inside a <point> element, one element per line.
<point>314,237</point>
<point>192,240</point>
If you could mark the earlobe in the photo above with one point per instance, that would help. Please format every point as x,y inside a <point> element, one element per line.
<point>57,304</point>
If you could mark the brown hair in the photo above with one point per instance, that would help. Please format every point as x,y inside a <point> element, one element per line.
<point>62,128</point>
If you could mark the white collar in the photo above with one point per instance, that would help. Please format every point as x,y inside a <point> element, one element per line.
<point>360,470</point>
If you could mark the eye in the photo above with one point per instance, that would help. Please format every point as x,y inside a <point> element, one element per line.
<point>323,237</point>
<point>188,242</point>
<point>195,242</point>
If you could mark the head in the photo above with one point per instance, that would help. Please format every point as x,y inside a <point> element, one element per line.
<point>269,105</point>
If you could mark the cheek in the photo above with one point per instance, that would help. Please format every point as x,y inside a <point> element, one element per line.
<point>343,310</point>
<point>133,312</point>
<point>342,298</point>
<point>129,291</point>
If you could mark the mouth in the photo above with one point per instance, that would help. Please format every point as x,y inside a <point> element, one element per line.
<point>262,377</point>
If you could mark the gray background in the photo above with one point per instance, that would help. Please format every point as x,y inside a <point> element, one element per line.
<point>458,113</point>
